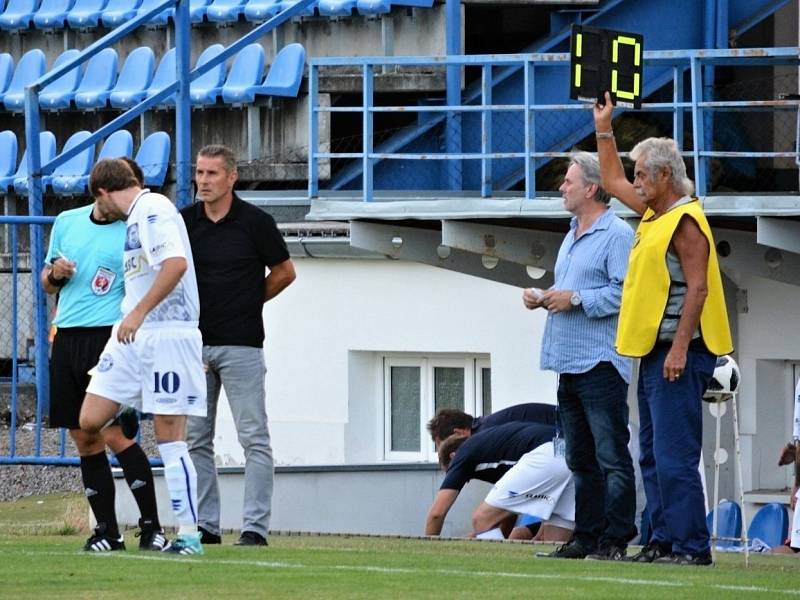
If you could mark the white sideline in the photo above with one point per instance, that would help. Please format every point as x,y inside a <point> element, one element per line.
<point>376,569</point>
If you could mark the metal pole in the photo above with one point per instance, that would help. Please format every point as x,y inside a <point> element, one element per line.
<point>183,111</point>
<point>745,541</point>
<point>453,82</point>
<point>716,484</point>
<point>32,129</point>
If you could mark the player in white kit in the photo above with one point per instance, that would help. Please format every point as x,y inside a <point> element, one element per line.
<point>153,359</point>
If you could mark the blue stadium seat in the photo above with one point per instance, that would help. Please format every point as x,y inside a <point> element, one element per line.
<point>134,79</point>
<point>8,159</point>
<point>153,158</point>
<point>373,7</point>
<point>197,10</point>
<point>729,524</point>
<point>29,68</point>
<point>67,177</point>
<point>86,13</point>
<point>245,75</point>
<point>336,8</point>
<point>6,72</point>
<point>258,11</point>
<point>161,18</point>
<point>18,14</point>
<point>119,143</point>
<point>52,14</point>
<point>205,89</point>
<point>770,525</point>
<point>286,72</point>
<point>308,11</point>
<point>164,75</point>
<point>47,152</point>
<point>118,12</point>
<point>225,11</point>
<point>98,79</point>
<point>59,94</point>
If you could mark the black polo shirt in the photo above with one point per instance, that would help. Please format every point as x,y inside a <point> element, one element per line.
<point>489,454</point>
<point>230,257</point>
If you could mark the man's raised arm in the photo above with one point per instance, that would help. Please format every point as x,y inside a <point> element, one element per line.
<point>611,170</point>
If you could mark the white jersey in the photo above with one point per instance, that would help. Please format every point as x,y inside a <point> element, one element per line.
<point>796,428</point>
<point>155,233</point>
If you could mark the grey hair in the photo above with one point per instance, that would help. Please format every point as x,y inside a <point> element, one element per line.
<point>659,153</point>
<point>590,173</point>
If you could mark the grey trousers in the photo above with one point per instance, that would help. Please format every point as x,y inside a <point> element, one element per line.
<point>240,370</point>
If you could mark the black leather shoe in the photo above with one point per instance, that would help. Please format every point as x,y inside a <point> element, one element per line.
<point>608,552</point>
<point>692,560</point>
<point>573,549</point>
<point>206,537</point>
<point>251,538</point>
<point>651,552</point>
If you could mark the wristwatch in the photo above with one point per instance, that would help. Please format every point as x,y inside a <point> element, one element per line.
<point>575,299</point>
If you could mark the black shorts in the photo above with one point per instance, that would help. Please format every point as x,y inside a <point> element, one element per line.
<point>76,350</point>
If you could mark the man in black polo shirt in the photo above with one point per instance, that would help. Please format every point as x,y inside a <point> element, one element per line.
<point>520,460</point>
<point>232,244</point>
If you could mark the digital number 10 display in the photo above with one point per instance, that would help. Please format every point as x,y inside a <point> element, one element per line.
<point>604,60</point>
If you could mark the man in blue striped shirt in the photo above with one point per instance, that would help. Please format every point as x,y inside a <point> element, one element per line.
<point>578,344</point>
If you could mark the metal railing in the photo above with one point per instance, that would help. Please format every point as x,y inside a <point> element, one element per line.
<point>670,65</point>
<point>180,87</point>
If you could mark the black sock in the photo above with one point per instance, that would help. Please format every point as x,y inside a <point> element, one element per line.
<point>98,486</point>
<point>139,476</point>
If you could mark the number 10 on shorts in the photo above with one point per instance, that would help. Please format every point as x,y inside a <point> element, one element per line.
<point>167,382</point>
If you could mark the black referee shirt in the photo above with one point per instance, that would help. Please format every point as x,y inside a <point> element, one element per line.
<point>229,259</point>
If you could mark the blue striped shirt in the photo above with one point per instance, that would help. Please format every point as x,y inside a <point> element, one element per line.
<point>594,265</point>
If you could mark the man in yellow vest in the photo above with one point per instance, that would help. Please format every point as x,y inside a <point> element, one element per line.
<point>673,317</point>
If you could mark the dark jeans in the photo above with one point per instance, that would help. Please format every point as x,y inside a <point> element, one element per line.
<point>593,410</point>
<point>671,437</point>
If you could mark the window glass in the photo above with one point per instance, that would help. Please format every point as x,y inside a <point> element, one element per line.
<point>405,409</point>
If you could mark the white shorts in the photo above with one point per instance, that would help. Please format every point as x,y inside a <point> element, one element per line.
<point>160,373</point>
<point>541,485</point>
<point>795,537</point>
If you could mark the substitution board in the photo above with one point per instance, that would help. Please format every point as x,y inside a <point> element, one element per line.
<point>604,60</point>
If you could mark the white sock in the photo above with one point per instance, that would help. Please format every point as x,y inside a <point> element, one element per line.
<point>181,478</point>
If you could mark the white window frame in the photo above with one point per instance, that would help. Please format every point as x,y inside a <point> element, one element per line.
<point>480,365</point>
<point>473,401</point>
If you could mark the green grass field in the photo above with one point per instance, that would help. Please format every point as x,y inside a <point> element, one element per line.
<point>40,557</point>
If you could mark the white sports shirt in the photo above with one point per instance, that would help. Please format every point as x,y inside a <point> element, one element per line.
<point>796,428</point>
<point>155,233</point>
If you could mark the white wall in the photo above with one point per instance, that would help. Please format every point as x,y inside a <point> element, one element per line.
<point>768,341</point>
<point>337,306</point>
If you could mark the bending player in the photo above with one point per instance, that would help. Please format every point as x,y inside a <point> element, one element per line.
<point>519,458</point>
<point>152,361</point>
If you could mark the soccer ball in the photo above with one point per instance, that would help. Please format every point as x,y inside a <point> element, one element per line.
<point>724,382</point>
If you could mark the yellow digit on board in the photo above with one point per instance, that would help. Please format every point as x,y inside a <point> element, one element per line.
<point>637,51</point>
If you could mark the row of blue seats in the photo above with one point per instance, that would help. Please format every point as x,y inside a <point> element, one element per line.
<point>72,177</point>
<point>84,14</point>
<point>98,85</point>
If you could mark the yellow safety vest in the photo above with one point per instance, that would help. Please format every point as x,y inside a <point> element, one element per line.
<point>646,288</point>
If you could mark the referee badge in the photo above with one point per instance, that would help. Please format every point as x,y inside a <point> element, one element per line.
<point>102,281</point>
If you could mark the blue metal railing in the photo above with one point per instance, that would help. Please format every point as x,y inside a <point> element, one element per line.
<point>678,62</point>
<point>181,86</point>
<point>13,223</point>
